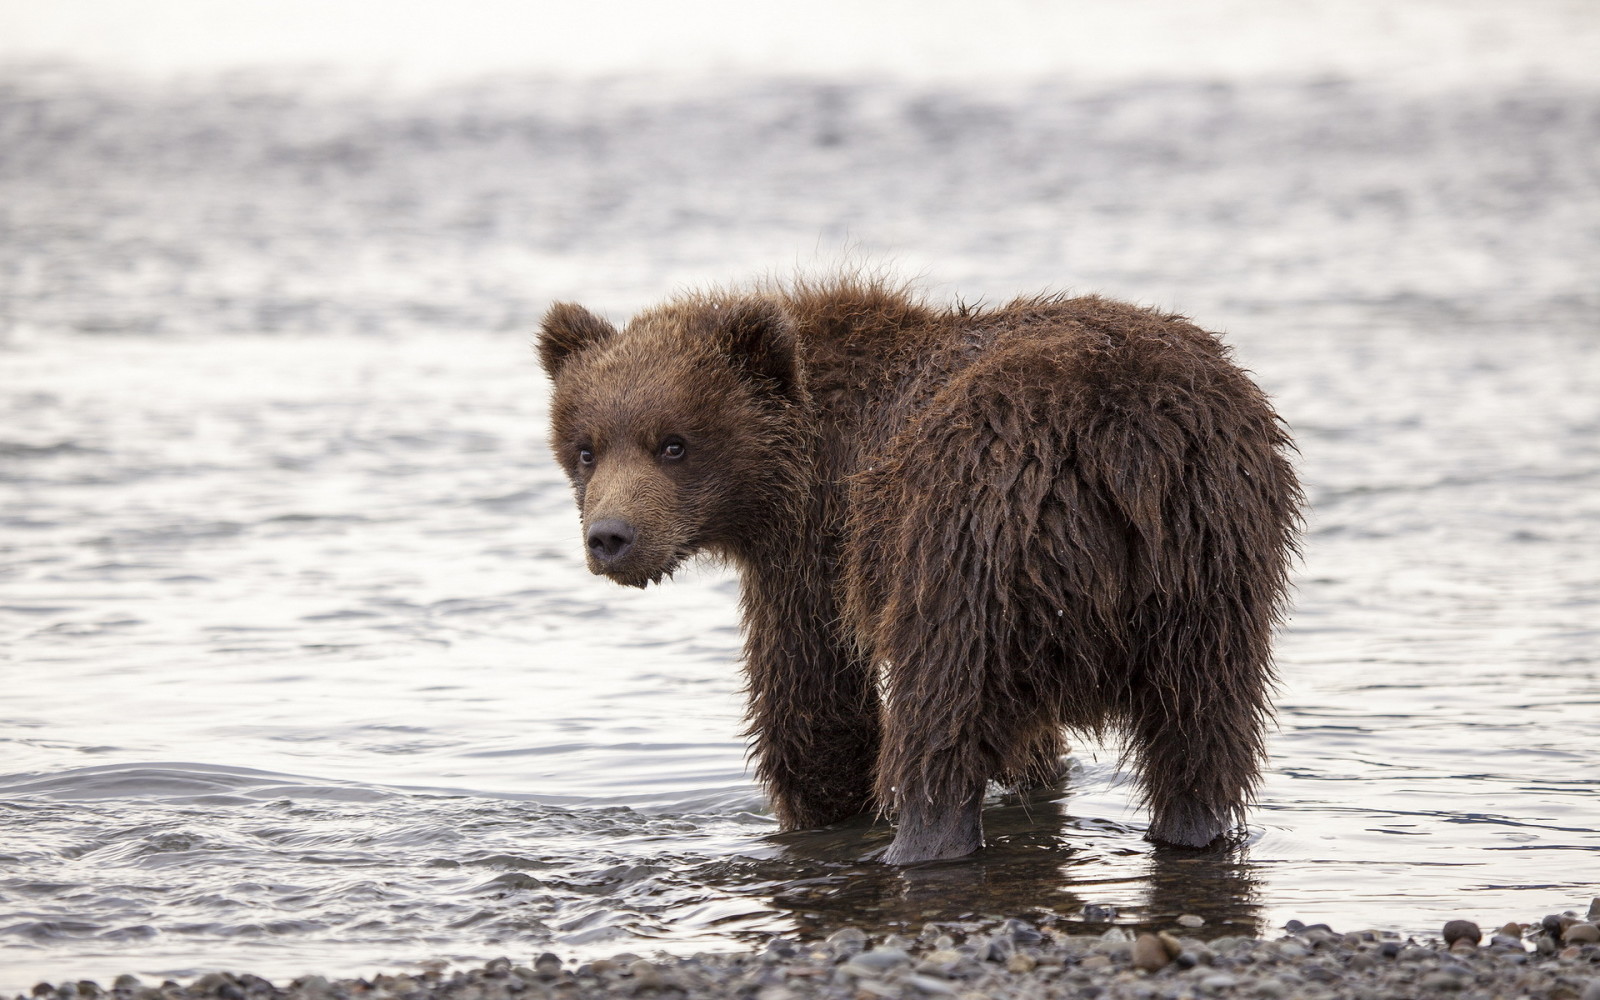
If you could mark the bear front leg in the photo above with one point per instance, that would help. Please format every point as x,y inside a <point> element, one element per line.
<point>813,716</point>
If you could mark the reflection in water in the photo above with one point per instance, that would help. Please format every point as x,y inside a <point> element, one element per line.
<point>1221,885</point>
<point>1029,869</point>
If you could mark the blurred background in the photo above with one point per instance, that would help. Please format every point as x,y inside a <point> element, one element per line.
<point>302,668</point>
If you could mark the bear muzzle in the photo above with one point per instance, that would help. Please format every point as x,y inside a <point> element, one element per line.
<point>617,551</point>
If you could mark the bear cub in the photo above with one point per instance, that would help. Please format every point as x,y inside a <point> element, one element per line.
<point>960,532</point>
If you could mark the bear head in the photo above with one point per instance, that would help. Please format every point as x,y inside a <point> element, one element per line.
<point>680,432</point>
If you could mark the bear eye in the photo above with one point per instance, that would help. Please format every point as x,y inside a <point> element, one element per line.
<point>585,456</point>
<point>673,448</point>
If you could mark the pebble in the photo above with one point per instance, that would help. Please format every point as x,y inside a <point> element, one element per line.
<point>879,959</point>
<point>928,984</point>
<point>1150,953</point>
<point>645,976</point>
<point>846,941</point>
<point>1021,962</point>
<point>985,958</point>
<point>1582,934</point>
<point>1594,910</point>
<point>1191,920</point>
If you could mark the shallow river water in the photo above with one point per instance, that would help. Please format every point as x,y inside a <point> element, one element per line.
<point>302,668</point>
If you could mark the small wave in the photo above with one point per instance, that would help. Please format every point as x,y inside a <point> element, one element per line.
<point>21,449</point>
<point>178,783</point>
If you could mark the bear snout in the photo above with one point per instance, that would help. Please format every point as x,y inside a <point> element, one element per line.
<point>610,540</point>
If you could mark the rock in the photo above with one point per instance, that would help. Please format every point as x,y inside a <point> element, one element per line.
<point>1218,982</point>
<point>1442,981</point>
<point>1095,962</point>
<point>1191,920</point>
<point>942,962</point>
<point>1021,963</point>
<point>645,976</point>
<point>1270,989</point>
<point>881,959</point>
<point>1582,934</point>
<point>1592,991</point>
<point>1507,942</point>
<point>1462,930</point>
<point>1150,953</point>
<point>1021,931</point>
<point>1319,973</point>
<point>846,941</point>
<point>996,949</point>
<point>1594,910</point>
<point>928,984</point>
<point>548,965</point>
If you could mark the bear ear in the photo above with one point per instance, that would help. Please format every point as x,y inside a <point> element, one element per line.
<point>761,342</point>
<point>569,329</point>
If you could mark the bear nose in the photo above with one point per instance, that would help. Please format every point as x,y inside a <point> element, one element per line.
<point>610,539</point>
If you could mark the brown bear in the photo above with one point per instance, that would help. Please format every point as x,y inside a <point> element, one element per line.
<point>959,532</point>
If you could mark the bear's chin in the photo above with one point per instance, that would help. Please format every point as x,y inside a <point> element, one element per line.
<point>639,578</point>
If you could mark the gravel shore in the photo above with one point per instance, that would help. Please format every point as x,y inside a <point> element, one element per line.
<point>1553,958</point>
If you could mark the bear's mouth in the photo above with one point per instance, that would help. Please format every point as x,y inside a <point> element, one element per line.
<point>641,577</point>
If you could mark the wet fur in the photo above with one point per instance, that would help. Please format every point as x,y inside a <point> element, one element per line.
<point>1060,514</point>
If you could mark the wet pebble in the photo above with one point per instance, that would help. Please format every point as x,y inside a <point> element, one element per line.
<point>1004,960</point>
<point>1462,930</point>
<point>1582,934</point>
<point>930,985</point>
<point>1150,953</point>
<point>846,941</point>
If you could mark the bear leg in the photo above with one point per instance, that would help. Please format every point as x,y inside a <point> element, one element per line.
<point>813,704</point>
<point>950,826</point>
<point>1198,769</point>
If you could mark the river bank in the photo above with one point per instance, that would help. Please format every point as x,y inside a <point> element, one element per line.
<point>1554,957</point>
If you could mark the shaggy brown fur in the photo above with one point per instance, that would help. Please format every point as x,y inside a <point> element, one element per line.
<point>1065,513</point>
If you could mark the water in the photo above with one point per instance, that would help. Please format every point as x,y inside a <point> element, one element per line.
<point>303,671</point>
